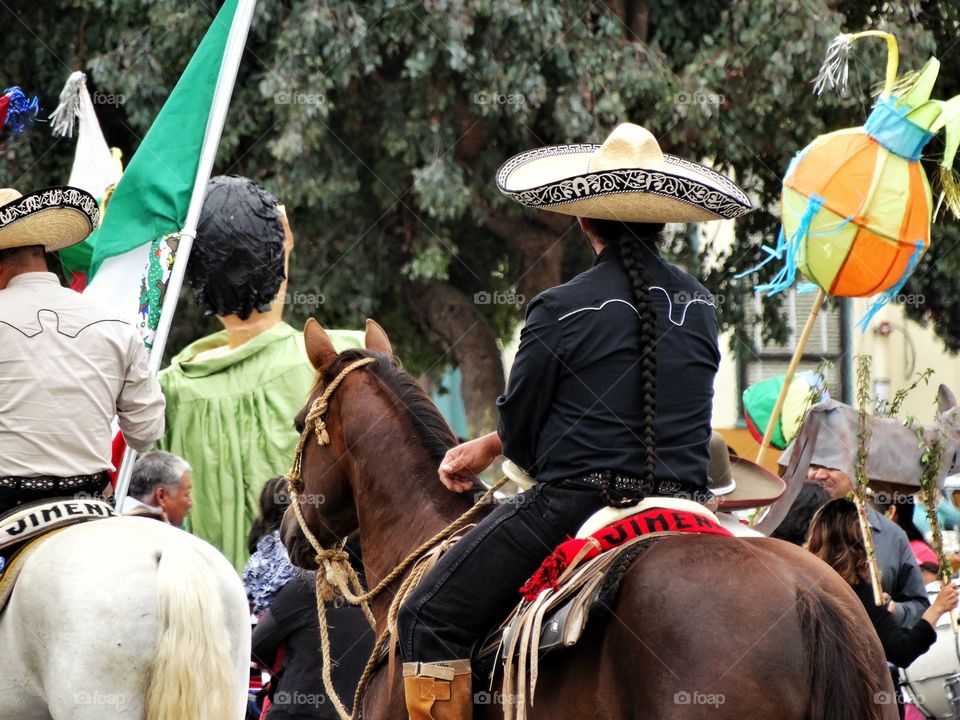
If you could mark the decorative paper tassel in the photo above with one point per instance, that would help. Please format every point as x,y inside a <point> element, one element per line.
<point>949,121</point>
<point>790,250</point>
<point>773,253</point>
<point>833,72</point>
<point>65,116</point>
<point>950,189</point>
<point>887,295</point>
<point>17,110</point>
<point>904,85</point>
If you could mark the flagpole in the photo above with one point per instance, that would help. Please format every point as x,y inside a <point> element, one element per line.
<point>233,53</point>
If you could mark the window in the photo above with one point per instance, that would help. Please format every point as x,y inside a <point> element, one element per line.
<point>828,340</point>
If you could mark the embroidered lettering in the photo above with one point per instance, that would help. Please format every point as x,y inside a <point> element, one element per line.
<point>21,526</point>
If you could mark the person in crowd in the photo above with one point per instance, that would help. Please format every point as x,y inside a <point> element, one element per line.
<point>287,639</point>
<point>899,573</point>
<point>160,487</point>
<point>232,395</point>
<point>69,365</point>
<point>268,568</point>
<point>836,539</point>
<point>796,524</point>
<point>901,509</point>
<point>947,504</point>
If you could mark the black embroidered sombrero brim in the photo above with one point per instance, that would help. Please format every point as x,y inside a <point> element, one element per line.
<point>627,178</point>
<point>55,217</point>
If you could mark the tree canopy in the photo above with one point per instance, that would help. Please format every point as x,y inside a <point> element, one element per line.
<point>381,124</point>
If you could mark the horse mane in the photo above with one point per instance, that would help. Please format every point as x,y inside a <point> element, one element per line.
<point>431,428</point>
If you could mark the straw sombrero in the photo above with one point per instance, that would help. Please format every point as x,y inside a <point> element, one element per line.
<point>55,217</point>
<point>627,178</point>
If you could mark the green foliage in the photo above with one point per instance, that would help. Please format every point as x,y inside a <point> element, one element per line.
<point>381,124</point>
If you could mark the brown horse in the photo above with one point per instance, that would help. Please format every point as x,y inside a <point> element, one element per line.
<point>703,626</point>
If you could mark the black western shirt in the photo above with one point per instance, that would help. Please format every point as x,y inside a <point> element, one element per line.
<point>573,404</point>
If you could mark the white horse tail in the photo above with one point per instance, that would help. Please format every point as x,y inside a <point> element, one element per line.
<point>191,675</point>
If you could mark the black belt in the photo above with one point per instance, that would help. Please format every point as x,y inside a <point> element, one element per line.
<point>47,483</point>
<point>639,488</point>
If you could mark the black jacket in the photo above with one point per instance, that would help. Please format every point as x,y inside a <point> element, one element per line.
<point>573,403</point>
<point>901,645</point>
<point>291,623</point>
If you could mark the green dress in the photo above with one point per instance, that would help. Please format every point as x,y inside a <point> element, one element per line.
<point>231,417</point>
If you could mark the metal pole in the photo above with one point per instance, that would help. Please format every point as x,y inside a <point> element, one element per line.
<point>236,40</point>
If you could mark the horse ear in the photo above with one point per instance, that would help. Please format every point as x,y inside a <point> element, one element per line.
<point>376,339</point>
<point>946,400</point>
<point>320,350</point>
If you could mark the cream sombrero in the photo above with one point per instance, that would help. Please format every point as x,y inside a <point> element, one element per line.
<point>627,178</point>
<point>55,217</point>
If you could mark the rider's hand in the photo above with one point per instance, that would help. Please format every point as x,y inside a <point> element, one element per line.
<point>464,462</point>
<point>947,599</point>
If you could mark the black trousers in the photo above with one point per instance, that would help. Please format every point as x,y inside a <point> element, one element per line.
<point>476,584</point>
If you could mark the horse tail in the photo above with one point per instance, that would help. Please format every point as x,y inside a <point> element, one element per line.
<point>843,681</point>
<point>191,669</point>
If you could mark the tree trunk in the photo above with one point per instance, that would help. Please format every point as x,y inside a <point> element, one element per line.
<point>540,245</point>
<point>453,323</point>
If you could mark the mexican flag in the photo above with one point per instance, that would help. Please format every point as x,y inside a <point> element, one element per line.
<point>135,245</point>
<point>96,167</point>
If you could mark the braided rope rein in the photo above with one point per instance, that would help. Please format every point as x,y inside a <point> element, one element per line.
<point>335,574</point>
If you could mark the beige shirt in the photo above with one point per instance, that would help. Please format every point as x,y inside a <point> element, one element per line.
<point>68,365</point>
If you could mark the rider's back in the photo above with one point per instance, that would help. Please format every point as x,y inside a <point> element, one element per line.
<point>67,366</point>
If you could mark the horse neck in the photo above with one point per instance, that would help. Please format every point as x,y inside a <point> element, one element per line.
<point>398,495</point>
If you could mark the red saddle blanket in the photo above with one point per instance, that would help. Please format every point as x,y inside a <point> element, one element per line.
<point>577,550</point>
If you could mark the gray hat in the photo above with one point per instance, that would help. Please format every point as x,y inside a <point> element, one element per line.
<point>828,437</point>
<point>893,453</point>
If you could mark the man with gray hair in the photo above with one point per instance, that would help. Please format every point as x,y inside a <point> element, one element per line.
<point>160,487</point>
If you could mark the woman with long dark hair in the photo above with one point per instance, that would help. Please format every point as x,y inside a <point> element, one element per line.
<point>836,539</point>
<point>609,398</point>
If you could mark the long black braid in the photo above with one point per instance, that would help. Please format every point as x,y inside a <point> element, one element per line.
<point>629,241</point>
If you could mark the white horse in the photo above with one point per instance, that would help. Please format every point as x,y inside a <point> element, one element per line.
<point>125,618</point>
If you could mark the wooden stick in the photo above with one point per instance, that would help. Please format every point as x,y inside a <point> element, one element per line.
<point>932,460</point>
<point>794,362</point>
<point>860,479</point>
<point>867,532</point>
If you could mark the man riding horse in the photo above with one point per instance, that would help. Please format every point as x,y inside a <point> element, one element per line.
<point>609,399</point>
<point>69,365</point>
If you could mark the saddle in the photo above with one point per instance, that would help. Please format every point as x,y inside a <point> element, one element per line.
<point>580,580</point>
<point>24,528</point>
